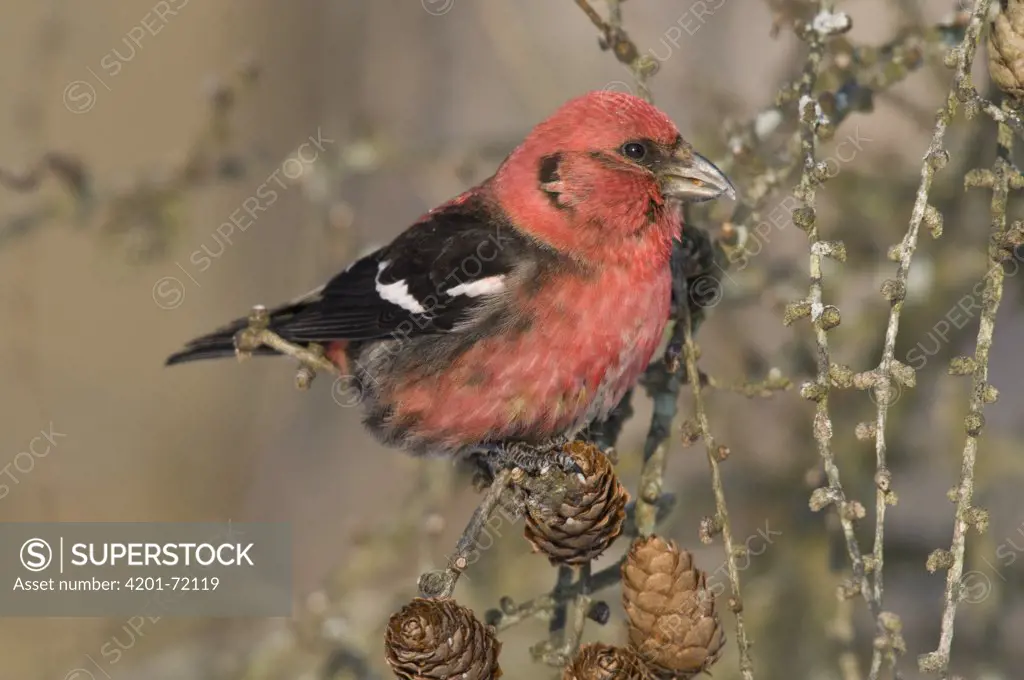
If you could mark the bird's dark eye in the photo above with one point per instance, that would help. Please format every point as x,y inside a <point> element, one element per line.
<point>634,150</point>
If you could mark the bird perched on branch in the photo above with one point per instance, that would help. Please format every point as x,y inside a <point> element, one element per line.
<point>510,317</point>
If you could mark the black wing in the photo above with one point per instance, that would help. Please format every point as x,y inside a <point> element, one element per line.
<point>433,278</point>
<point>429,280</point>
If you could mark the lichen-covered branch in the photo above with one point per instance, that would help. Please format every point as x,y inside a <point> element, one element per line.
<point>823,319</point>
<point>1005,116</point>
<point>859,75</point>
<point>1002,244</point>
<point>889,369</point>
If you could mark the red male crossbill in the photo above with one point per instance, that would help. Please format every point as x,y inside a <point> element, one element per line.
<point>524,308</point>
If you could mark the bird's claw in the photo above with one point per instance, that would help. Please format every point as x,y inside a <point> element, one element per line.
<point>534,459</point>
<point>568,464</point>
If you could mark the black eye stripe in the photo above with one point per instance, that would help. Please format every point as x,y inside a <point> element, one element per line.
<point>548,171</point>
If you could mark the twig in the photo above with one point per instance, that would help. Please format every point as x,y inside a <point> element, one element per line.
<point>511,613</point>
<point>594,17</point>
<point>305,355</point>
<point>824,318</point>
<point>870,71</point>
<point>721,509</point>
<point>999,180</point>
<point>1005,116</point>
<point>569,616</point>
<point>257,334</point>
<point>543,605</point>
<point>624,49</point>
<point>578,613</point>
<point>558,617</point>
<point>664,379</point>
<point>441,584</point>
<point>895,290</point>
<point>665,397</point>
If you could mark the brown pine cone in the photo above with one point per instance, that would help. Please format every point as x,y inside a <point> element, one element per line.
<point>672,619</point>
<point>587,519</point>
<point>598,661</point>
<point>1006,48</point>
<point>438,639</point>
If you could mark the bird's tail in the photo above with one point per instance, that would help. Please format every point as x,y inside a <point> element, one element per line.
<point>221,342</point>
<point>215,345</point>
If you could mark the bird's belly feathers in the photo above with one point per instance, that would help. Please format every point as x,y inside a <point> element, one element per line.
<point>570,363</point>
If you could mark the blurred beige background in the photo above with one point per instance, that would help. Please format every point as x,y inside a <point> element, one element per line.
<point>418,105</point>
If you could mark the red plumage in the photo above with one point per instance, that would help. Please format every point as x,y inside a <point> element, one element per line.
<point>564,304</point>
<point>590,341</point>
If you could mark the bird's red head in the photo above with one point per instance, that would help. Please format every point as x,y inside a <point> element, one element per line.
<point>597,179</point>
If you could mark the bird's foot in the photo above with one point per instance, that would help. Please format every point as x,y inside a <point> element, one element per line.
<point>534,459</point>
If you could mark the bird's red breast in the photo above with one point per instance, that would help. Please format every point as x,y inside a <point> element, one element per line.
<point>586,344</point>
